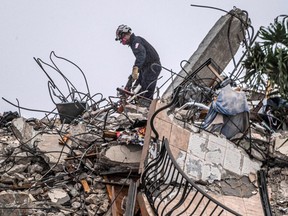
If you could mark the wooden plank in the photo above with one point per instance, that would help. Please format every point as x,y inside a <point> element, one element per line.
<point>131,199</point>
<point>144,205</point>
<point>85,185</point>
<point>111,194</point>
<point>114,207</point>
<point>147,137</point>
<point>215,72</point>
<point>118,196</point>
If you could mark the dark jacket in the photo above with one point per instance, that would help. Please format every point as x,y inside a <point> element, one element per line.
<point>144,52</point>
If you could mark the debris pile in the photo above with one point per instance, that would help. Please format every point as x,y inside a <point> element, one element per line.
<point>50,168</point>
<point>84,164</point>
<point>278,182</point>
<point>88,163</point>
<point>251,120</point>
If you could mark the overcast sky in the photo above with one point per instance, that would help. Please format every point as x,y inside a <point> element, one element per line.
<point>84,33</point>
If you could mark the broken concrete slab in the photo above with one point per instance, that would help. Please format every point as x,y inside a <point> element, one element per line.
<point>217,151</point>
<point>208,158</point>
<point>221,43</point>
<point>58,195</point>
<point>11,203</point>
<point>124,154</point>
<point>23,130</point>
<point>49,145</point>
<point>240,187</point>
<point>281,144</point>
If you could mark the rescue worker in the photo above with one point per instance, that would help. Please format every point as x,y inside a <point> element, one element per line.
<point>146,68</point>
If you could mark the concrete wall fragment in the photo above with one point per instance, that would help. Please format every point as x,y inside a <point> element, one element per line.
<point>221,44</point>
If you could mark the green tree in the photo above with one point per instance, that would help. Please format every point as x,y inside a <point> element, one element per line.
<point>268,58</point>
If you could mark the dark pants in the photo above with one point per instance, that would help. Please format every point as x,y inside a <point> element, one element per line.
<point>148,79</point>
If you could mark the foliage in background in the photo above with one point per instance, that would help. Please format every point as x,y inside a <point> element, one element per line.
<point>268,59</point>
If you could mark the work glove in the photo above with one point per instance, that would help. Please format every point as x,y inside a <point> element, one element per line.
<point>135,73</point>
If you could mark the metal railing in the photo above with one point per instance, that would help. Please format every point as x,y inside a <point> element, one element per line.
<point>171,192</point>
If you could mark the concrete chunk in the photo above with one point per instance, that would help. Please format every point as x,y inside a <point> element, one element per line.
<point>232,161</point>
<point>50,142</point>
<point>58,195</point>
<point>221,43</point>
<point>124,153</point>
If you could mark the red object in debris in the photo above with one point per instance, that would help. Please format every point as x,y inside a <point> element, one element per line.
<point>118,133</point>
<point>125,91</point>
<point>142,131</point>
<point>120,109</point>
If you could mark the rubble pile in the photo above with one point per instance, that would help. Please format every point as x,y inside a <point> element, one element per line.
<point>86,164</point>
<point>259,127</point>
<point>50,168</point>
<point>278,182</point>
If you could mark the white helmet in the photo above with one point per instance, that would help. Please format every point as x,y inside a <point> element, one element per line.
<point>121,31</point>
